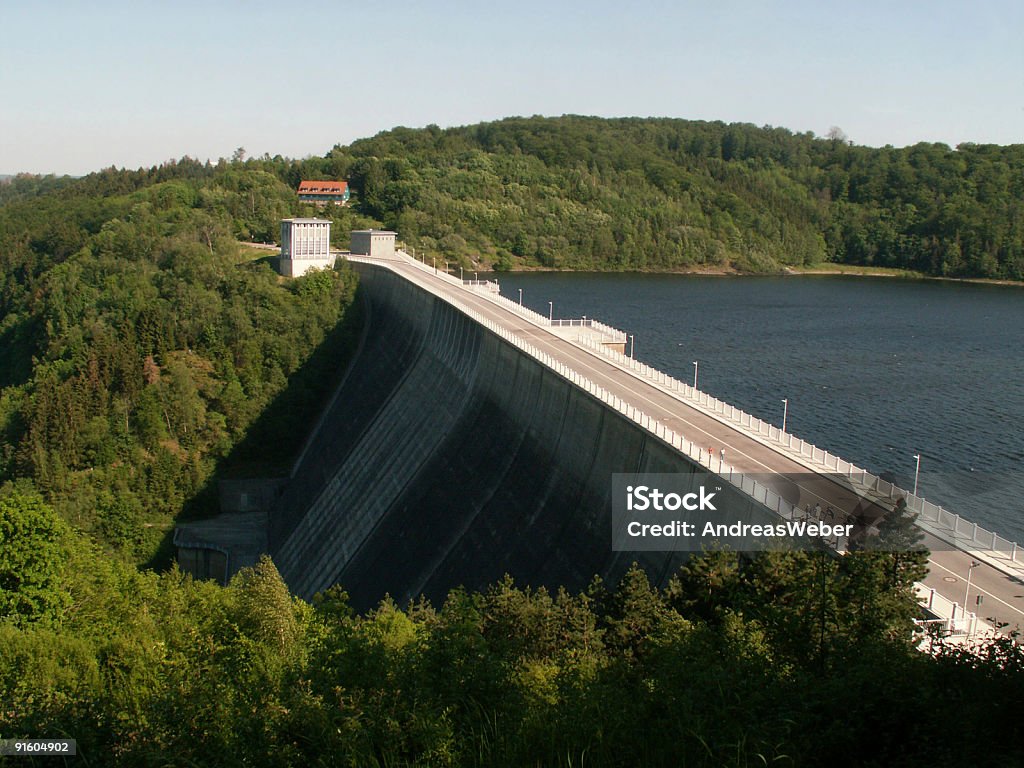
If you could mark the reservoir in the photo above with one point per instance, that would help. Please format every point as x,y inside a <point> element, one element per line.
<point>875,370</point>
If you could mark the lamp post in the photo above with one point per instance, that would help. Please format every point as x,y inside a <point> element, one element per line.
<point>917,472</point>
<point>694,374</point>
<point>460,274</point>
<point>520,297</point>
<point>433,260</point>
<point>785,412</point>
<point>974,564</point>
<point>631,346</point>
<point>551,312</point>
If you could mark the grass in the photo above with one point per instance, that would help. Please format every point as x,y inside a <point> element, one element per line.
<point>831,268</point>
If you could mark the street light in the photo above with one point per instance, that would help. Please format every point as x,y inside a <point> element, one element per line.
<point>520,297</point>
<point>551,312</point>
<point>785,412</point>
<point>694,374</point>
<point>917,471</point>
<point>631,346</point>
<point>974,564</point>
<point>460,274</point>
<point>433,260</point>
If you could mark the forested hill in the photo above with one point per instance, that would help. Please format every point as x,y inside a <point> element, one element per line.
<point>142,347</point>
<point>660,194</point>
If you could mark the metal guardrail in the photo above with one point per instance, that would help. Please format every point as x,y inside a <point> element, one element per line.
<point>940,521</point>
<point>488,285</point>
<point>955,619</point>
<point>493,289</point>
<point>613,334</point>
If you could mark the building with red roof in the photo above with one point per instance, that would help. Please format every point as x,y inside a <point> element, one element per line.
<point>323,192</point>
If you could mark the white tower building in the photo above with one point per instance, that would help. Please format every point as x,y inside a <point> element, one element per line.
<point>305,244</point>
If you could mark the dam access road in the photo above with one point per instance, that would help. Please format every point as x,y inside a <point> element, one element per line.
<point>1001,589</point>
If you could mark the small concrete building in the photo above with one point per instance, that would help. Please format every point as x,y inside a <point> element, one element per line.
<point>378,243</point>
<point>305,245</point>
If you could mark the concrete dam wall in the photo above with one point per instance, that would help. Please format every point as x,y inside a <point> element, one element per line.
<point>450,457</point>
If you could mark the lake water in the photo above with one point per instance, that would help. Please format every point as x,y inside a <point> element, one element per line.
<point>875,370</point>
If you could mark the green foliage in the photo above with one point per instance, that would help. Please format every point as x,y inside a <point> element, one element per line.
<point>33,554</point>
<point>140,346</point>
<point>152,669</point>
<point>661,194</point>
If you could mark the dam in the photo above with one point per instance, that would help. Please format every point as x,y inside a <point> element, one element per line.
<point>471,438</point>
<point>453,458</point>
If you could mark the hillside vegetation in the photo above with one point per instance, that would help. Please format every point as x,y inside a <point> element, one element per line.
<point>141,347</point>
<point>662,194</point>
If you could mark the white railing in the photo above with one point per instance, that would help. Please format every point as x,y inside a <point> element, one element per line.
<point>1002,552</point>
<point>955,619</point>
<point>423,267</point>
<point>534,317</point>
<point>493,289</point>
<point>614,334</point>
<point>487,285</point>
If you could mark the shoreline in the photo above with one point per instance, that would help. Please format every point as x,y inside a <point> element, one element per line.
<point>817,270</point>
<point>854,271</point>
<point>786,271</point>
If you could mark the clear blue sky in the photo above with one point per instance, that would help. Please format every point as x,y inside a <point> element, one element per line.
<point>89,85</point>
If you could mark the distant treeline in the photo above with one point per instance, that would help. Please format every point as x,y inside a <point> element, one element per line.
<point>661,194</point>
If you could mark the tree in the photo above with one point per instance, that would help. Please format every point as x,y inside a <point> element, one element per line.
<point>33,552</point>
<point>836,135</point>
<point>267,613</point>
<point>900,537</point>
